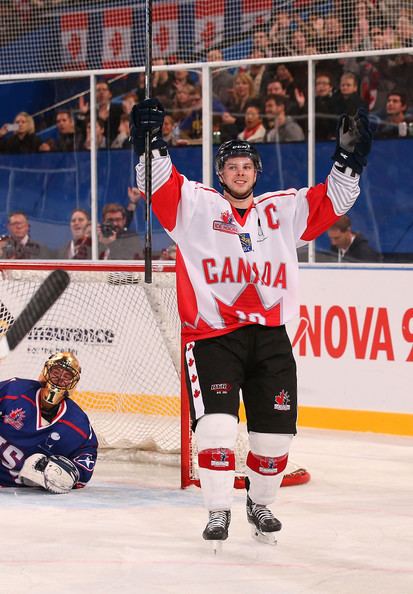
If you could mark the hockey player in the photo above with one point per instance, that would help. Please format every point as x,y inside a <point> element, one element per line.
<point>46,439</point>
<point>237,277</point>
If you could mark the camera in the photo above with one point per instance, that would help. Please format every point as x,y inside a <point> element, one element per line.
<point>108,229</point>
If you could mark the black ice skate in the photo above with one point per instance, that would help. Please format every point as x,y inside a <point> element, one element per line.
<point>217,528</point>
<point>264,524</point>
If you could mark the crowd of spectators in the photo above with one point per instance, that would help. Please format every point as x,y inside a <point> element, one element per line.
<point>256,102</point>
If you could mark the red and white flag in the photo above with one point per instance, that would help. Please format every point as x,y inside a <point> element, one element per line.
<point>255,13</point>
<point>117,38</point>
<point>209,24</point>
<point>164,30</point>
<point>74,28</point>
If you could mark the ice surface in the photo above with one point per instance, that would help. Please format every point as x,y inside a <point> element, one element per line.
<point>133,530</point>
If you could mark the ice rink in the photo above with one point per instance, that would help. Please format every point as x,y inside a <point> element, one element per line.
<point>133,530</point>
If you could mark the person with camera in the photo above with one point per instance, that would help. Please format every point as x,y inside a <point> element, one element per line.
<point>115,241</point>
<point>17,244</point>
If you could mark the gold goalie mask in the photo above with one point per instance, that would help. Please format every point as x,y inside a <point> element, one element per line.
<point>60,375</point>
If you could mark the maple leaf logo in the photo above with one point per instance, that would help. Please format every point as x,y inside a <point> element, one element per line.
<point>249,308</point>
<point>282,401</point>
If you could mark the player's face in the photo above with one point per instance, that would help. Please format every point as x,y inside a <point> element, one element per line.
<point>60,376</point>
<point>239,175</point>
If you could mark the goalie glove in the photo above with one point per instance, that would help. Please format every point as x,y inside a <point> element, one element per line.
<point>354,137</point>
<point>147,116</point>
<point>56,474</point>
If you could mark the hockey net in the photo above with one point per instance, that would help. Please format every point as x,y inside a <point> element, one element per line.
<point>126,335</point>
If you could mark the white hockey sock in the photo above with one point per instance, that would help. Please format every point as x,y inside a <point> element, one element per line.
<point>266,464</point>
<point>215,437</point>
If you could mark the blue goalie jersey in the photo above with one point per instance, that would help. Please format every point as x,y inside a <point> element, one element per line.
<point>23,432</point>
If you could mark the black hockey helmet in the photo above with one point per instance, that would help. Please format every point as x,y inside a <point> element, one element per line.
<point>237,148</point>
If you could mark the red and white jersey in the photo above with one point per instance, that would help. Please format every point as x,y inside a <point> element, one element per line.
<point>232,271</point>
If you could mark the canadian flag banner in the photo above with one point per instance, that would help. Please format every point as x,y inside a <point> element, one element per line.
<point>164,30</point>
<point>255,13</point>
<point>209,24</point>
<point>117,38</point>
<point>74,28</point>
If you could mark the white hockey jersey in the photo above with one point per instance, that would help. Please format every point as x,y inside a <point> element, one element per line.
<point>232,271</point>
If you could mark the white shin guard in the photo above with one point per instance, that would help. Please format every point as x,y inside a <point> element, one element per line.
<point>266,464</point>
<point>216,435</point>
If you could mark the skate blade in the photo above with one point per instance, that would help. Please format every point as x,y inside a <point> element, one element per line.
<point>216,546</point>
<point>268,538</point>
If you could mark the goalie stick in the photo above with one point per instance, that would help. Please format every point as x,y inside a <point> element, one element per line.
<point>42,300</point>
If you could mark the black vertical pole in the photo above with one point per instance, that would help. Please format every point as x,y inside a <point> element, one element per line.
<point>148,152</point>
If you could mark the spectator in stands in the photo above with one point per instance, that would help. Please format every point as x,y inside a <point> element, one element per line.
<point>404,31</point>
<point>223,128</point>
<point>361,39</point>
<point>23,138</point>
<point>122,139</point>
<point>286,78</point>
<point>162,84</point>
<point>348,245</point>
<point>242,93</point>
<point>182,103</point>
<point>332,34</point>
<point>128,101</point>
<point>395,124</point>
<point>275,87</point>
<point>100,136</point>
<point>168,131</point>
<point>280,33</point>
<point>280,127</point>
<point>133,198</point>
<point>169,253</point>
<point>107,111</point>
<point>115,241</point>
<point>261,74</point>
<point>347,99</point>
<point>261,43</point>
<point>190,127</point>
<point>66,133</point>
<point>79,247</point>
<point>325,118</point>
<point>18,245</point>
<point>222,79</point>
<point>254,130</point>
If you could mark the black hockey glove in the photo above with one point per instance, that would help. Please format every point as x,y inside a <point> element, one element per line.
<point>354,138</point>
<point>146,116</point>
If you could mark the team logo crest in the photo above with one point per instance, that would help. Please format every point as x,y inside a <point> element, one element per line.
<point>86,461</point>
<point>282,401</point>
<point>220,459</point>
<point>15,418</point>
<point>268,466</point>
<point>226,224</point>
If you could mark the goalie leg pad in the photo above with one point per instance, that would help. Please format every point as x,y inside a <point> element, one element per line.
<point>60,475</point>
<point>215,436</point>
<point>266,463</point>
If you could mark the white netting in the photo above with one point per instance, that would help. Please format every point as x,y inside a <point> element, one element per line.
<point>58,35</point>
<point>128,346</point>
